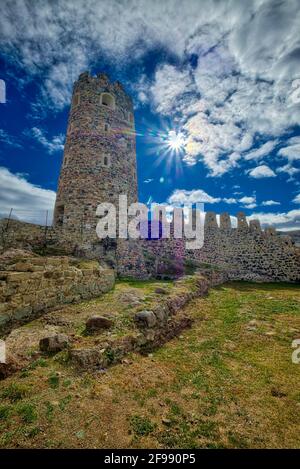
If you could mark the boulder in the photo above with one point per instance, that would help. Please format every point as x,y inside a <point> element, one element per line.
<point>160,291</point>
<point>96,323</point>
<point>145,319</point>
<point>54,343</point>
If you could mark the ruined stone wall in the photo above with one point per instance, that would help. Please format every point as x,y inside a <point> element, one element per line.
<point>31,284</point>
<point>50,240</point>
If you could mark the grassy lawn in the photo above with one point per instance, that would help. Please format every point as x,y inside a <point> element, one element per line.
<point>227,382</point>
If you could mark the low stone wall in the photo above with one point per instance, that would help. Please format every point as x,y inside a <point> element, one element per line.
<point>168,320</point>
<point>31,284</point>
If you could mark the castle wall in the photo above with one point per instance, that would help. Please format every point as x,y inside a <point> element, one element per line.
<point>247,252</point>
<point>31,285</point>
<point>243,253</point>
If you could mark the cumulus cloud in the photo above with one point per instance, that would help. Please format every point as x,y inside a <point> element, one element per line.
<point>243,89</point>
<point>296,200</point>
<point>170,85</point>
<point>183,197</point>
<point>262,171</point>
<point>262,151</point>
<point>269,203</point>
<point>288,169</point>
<point>282,221</point>
<point>53,145</point>
<point>292,150</point>
<point>28,201</point>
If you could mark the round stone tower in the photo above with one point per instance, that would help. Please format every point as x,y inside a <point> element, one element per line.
<point>99,160</point>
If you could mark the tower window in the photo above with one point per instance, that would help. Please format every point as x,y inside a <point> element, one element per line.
<point>76,99</point>
<point>60,215</point>
<point>106,99</point>
<point>130,117</point>
<point>106,161</point>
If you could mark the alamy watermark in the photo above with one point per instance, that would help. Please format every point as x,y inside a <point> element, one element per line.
<point>133,221</point>
<point>2,351</point>
<point>296,352</point>
<point>2,92</point>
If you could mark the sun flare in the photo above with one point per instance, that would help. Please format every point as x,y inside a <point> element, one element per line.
<point>175,141</point>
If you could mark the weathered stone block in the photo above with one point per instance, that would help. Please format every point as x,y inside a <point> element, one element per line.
<point>145,319</point>
<point>96,323</point>
<point>54,343</point>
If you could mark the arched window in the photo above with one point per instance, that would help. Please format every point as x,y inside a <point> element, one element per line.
<point>106,99</point>
<point>106,161</point>
<point>76,99</point>
<point>66,161</point>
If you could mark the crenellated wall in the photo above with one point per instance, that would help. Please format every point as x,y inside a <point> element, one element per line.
<point>248,252</point>
<point>244,253</point>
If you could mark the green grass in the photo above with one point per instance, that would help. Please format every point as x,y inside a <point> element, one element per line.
<point>15,392</point>
<point>27,412</point>
<point>141,426</point>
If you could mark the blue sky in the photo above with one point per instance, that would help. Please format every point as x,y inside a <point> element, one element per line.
<point>224,75</point>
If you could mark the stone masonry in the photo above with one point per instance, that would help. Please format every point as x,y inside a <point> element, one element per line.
<point>99,158</point>
<point>32,284</point>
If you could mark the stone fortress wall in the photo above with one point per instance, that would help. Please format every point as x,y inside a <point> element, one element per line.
<point>243,253</point>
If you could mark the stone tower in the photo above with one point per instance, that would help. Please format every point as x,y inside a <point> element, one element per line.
<point>100,155</point>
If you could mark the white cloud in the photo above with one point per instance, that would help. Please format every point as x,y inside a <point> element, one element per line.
<point>292,150</point>
<point>9,140</point>
<point>183,197</point>
<point>53,145</point>
<point>169,87</point>
<point>282,221</point>
<point>262,171</point>
<point>269,203</point>
<point>296,200</point>
<point>28,201</point>
<point>262,151</point>
<point>230,200</point>
<point>246,81</point>
<point>147,181</point>
<point>247,200</point>
<point>289,169</point>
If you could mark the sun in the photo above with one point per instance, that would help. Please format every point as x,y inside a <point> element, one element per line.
<point>175,141</point>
